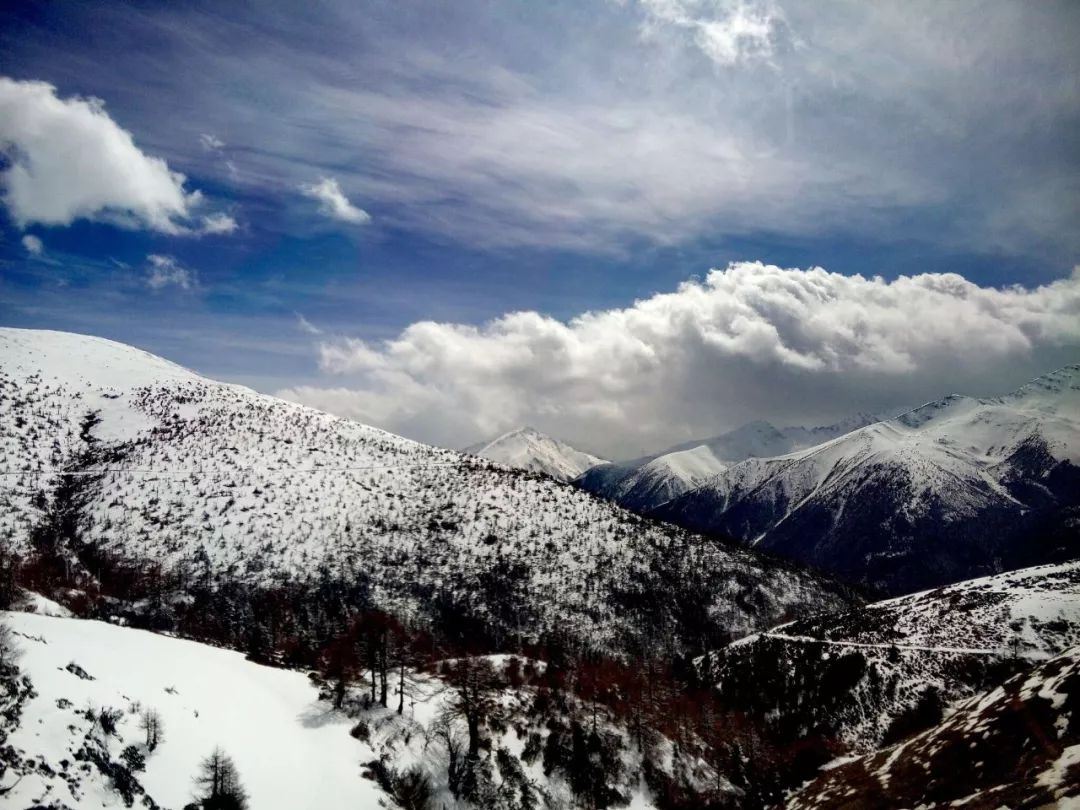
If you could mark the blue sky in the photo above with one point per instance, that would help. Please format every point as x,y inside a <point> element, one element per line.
<point>374,166</point>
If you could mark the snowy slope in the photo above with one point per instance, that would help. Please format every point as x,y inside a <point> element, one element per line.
<point>291,747</point>
<point>290,750</point>
<point>528,449</point>
<point>207,477</point>
<point>955,488</point>
<point>1018,745</point>
<point>1033,612</point>
<point>938,646</point>
<point>646,483</point>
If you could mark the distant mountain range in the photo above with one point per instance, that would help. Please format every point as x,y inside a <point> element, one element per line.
<point>529,449</point>
<point>959,487</point>
<point>645,483</point>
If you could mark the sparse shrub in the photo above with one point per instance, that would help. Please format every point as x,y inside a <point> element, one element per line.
<point>133,758</point>
<point>412,789</point>
<point>107,718</point>
<point>78,671</point>
<point>360,731</point>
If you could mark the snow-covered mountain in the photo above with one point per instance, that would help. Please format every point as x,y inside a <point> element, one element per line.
<point>643,484</point>
<point>528,449</point>
<point>211,480</point>
<point>956,488</point>
<point>876,674</point>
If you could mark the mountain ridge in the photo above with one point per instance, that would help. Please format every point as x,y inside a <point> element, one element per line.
<point>869,504</point>
<point>216,480</point>
<point>646,483</point>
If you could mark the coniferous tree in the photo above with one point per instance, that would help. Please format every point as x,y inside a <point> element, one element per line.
<point>219,784</point>
<point>9,565</point>
<point>475,683</point>
<point>9,650</point>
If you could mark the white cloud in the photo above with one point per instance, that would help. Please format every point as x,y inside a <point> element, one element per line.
<point>727,31</point>
<point>333,202</point>
<point>872,122</point>
<point>751,341</point>
<point>33,245</point>
<point>166,271</point>
<point>218,224</point>
<point>68,160</point>
<point>306,326</point>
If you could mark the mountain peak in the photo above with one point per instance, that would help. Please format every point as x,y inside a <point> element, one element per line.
<point>527,448</point>
<point>526,431</point>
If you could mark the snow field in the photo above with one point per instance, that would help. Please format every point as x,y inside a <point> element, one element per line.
<point>290,750</point>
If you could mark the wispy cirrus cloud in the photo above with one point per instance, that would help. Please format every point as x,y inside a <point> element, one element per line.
<point>306,326</point>
<point>729,32</point>
<point>654,122</point>
<point>211,143</point>
<point>166,271</point>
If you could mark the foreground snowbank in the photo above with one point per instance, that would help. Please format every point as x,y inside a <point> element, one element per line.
<point>290,750</point>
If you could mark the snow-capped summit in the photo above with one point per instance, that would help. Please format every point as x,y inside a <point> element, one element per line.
<point>646,483</point>
<point>529,449</point>
<point>955,488</point>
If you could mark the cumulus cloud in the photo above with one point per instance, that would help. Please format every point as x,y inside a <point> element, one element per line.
<point>218,224</point>
<point>67,160</point>
<point>33,245</point>
<point>166,271</point>
<point>749,341</point>
<point>333,202</point>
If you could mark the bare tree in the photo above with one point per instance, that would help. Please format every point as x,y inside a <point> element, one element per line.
<point>475,683</point>
<point>150,722</point>
<point>450,737</point>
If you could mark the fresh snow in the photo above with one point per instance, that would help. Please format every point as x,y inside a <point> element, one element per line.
<point>290,750</point>
<point>528,449</point>
<point>921,641</point>
<point>1011,756</point>
<point>199,473</point>
<point>953,439</point>
<point>1033,612</point>
<point>868,646</point>
<point>646,483</point>
<point>946,462</point>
